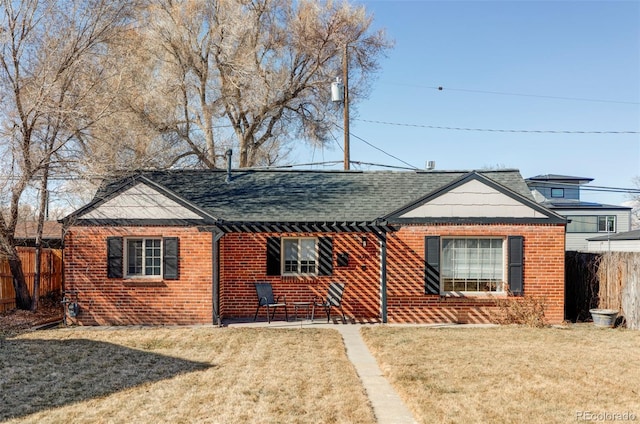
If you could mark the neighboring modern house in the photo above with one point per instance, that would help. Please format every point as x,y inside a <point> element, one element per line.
<point>186,247</point>
<point>585,220</point>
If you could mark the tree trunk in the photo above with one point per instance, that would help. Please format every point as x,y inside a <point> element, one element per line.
<point>23,299</point>
<point>244,150</point>
<point>42,215</point>
<point>207,117</point>
<point>36,277</point>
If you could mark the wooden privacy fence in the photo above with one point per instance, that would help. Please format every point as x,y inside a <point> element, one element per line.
<point>608,281</point>
<point>50,275</point>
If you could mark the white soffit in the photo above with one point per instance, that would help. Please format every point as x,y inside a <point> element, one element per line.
<point>473,199</point>
<point>141,202</point>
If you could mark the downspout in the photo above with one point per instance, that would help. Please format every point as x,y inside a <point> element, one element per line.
<point>216,235</point>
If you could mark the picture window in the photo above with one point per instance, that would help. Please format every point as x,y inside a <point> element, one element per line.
<point>472,265</point>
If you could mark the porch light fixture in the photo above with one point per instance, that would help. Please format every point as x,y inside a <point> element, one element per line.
<point>364,241</point>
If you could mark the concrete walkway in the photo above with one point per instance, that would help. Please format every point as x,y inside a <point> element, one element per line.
<point>387,405</point>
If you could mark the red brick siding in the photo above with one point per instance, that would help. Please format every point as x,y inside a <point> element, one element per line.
<point>243,262</point>
<point>117,301</point>
<point>406,301</point>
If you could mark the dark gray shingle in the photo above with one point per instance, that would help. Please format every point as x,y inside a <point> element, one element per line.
<point>312,196</point>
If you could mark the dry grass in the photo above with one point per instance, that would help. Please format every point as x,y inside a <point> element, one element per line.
<point>179,375</point>
<point>510,374</point>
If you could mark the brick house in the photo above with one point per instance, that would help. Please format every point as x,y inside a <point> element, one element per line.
<point>185,247</point>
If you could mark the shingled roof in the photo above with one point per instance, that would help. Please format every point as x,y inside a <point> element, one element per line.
<point>304,195</point>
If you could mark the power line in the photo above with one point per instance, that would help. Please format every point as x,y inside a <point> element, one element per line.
<point>590,187</point>
<point>611,189</point>
<point>434,127</point>
<point>503,93</point>
<point>333,162</point>
<point>379,149</point>
<point>294,165</point>
<point>357,162</point>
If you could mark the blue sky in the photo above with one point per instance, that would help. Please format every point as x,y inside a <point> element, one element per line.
<point>504,65</point>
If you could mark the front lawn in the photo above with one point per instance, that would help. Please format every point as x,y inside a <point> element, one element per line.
<point>512,374</point>
<point>179,375</point>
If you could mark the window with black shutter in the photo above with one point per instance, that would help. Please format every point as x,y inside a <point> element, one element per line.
<point>516,264</point>
<point>114,257</point>
<point>299,256</point>
<point>273,256</point>
<point>432,265</point>
<point>143,257</point>
<point>325,256</point>
<point>170,258</point>
<point>470,264</point>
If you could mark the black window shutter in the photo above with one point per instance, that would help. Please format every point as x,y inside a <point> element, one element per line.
<point>432,265</point>
<point>516,260</point>
<point>325,256</point>
<point>114,257</point>
<point>273,256</point>
<point>170,258</point>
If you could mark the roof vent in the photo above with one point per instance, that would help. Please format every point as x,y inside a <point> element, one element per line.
<point>228,154</point>
<point>431,165</point>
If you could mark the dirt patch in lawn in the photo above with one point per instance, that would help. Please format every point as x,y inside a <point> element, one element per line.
<point>16,321</point>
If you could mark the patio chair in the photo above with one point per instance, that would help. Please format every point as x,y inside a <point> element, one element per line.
<point>333,299</point>
<point>266,299</point>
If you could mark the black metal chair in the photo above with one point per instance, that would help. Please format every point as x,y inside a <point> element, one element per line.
<point>333,299</point>
<point>266,299</point>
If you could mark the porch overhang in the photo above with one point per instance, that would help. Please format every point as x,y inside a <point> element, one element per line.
<point>377,228</point>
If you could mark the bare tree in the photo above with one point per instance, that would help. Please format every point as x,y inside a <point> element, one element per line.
<point>248,73</point>
<point>48,76</point>
<point>96,86</point>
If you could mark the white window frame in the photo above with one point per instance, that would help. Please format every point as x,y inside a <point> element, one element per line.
<point>608,220</point>
<point>495,286</point>
<point>144,267</point>
<point>299,265</point>
<point>594,220</point>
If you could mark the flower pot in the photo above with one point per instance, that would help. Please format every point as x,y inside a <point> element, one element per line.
<point>604,317</point>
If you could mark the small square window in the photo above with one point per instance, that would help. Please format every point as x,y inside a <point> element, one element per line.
<point>144,257</point>
<point>557,193</point>
<point>300,256</point>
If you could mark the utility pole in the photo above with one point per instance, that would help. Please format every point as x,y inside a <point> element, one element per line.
<point>345,77</point>
<point>340,93</point>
